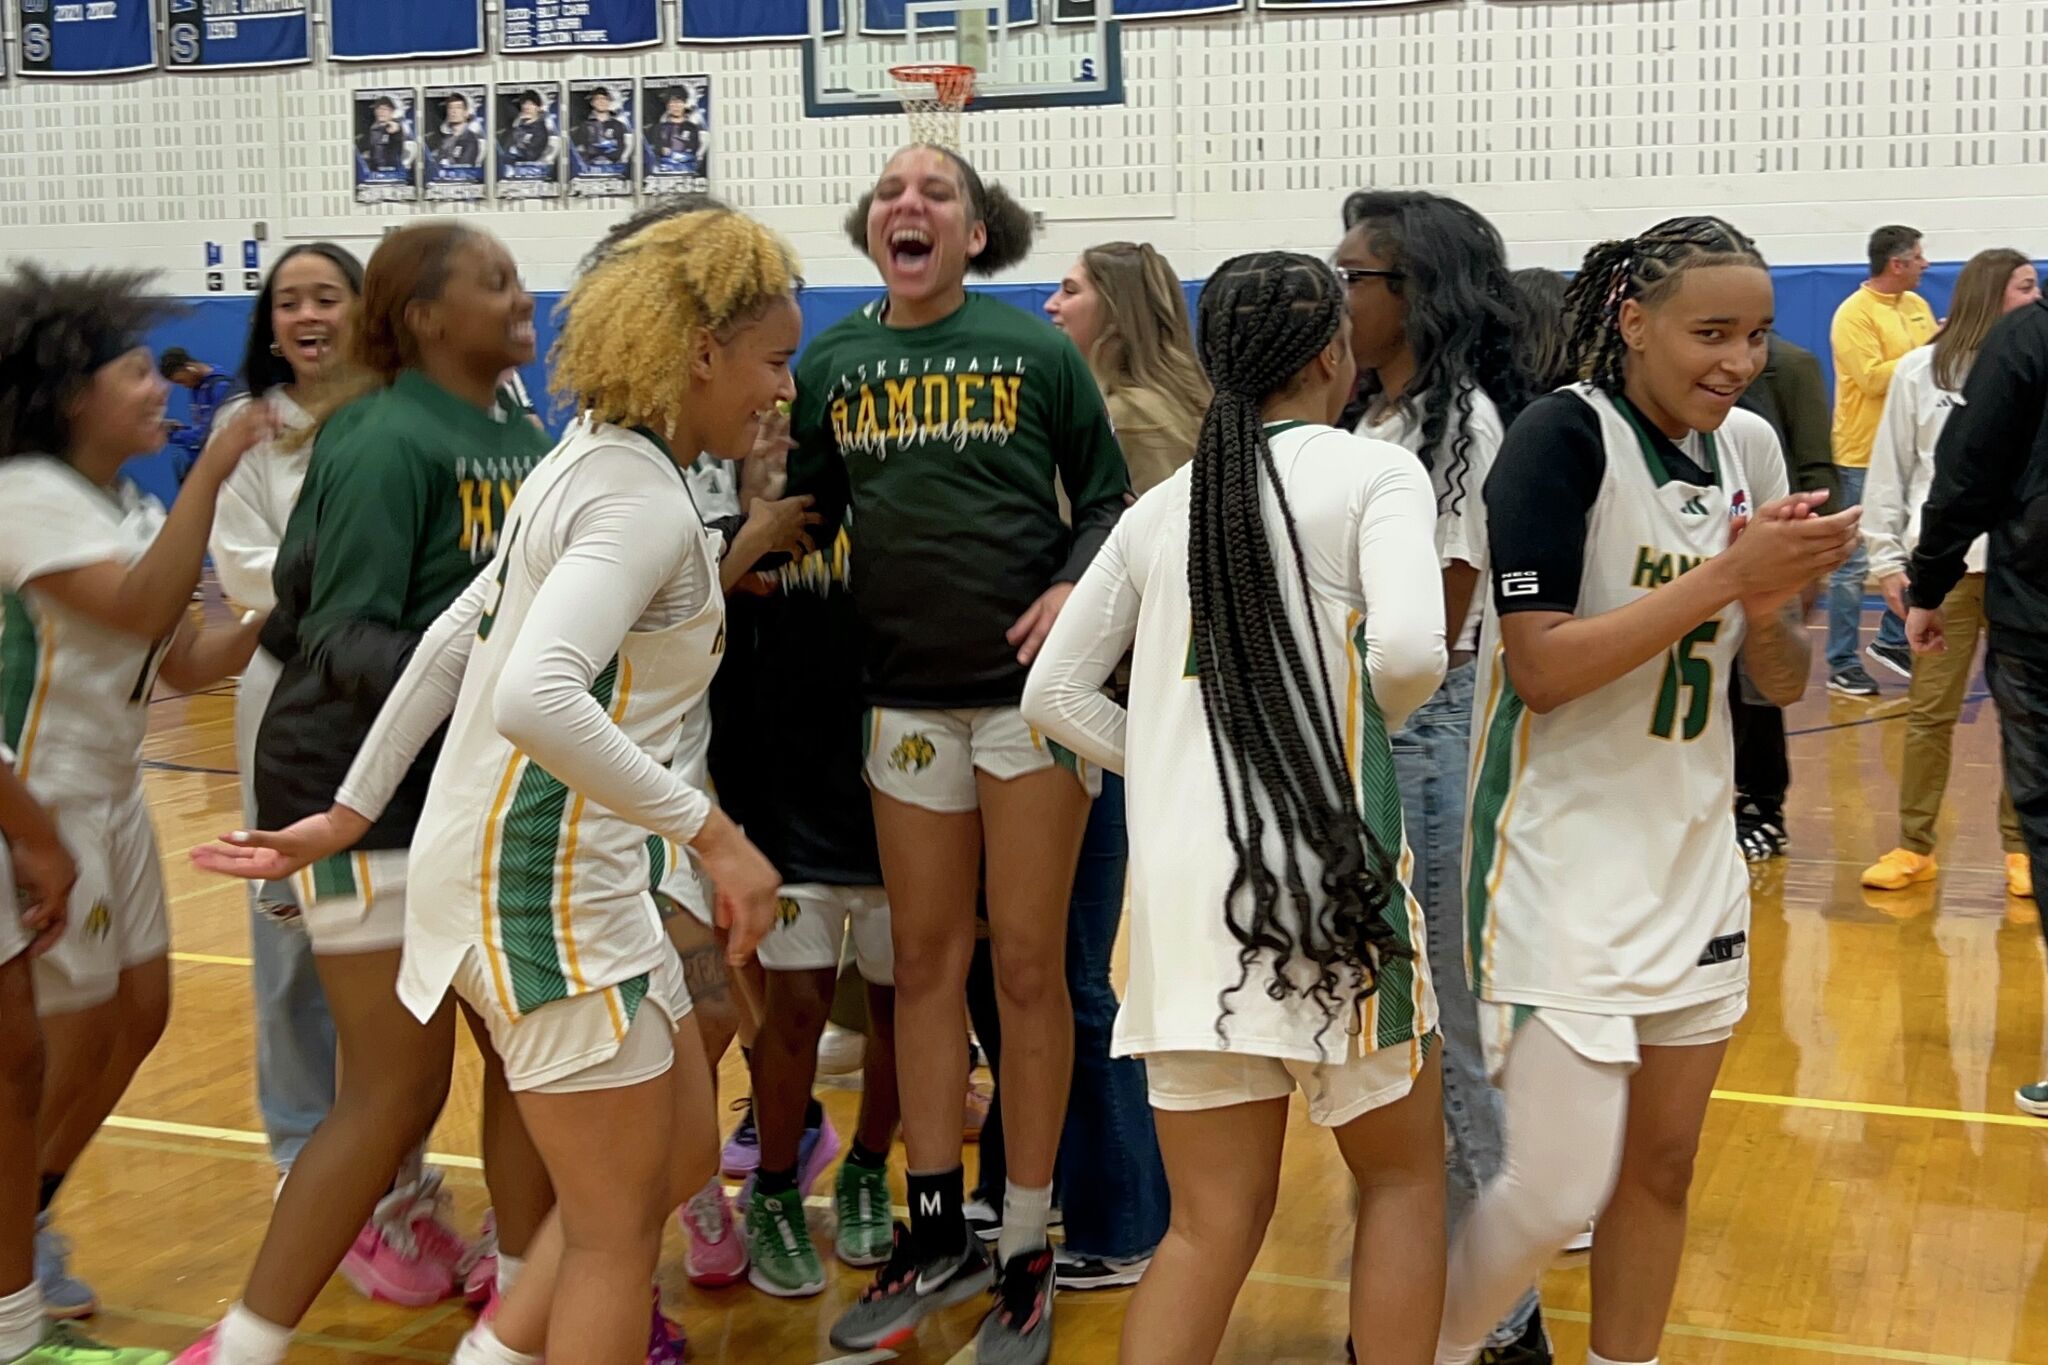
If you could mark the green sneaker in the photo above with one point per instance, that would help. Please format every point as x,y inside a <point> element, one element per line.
<point>2033,1099</point>
<point>861,1199</point>
<point>66,1345</point>
<point>779,1240</point>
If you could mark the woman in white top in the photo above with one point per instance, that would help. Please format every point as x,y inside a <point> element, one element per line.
<point>1273,944</point>
<point>1433,322</point>
<point>294,334</point>
<point>1926,386</point>
<point>569,667</point>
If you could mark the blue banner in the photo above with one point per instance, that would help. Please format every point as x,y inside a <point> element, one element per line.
<point>754,21</point>
<point>1331,5</point>
<point>213,35</point>
<point>553,25</point>
<point>1078,11</point>
<point>77,38</point>
<point>400,30</point>
<point>888,16</point>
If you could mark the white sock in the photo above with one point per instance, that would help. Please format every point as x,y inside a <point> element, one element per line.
<point>246,1339</point>
<point>1593,1357</point>
<point>21,1321</point>
<point>1026,1211</point>
<point>509,1267</point>
<point>482,1347</point>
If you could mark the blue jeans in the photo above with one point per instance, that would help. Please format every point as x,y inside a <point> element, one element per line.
<point>294,1034</point>
<point>1845,590</point>
<point>1431,755</point>
<point>1113,1183</point>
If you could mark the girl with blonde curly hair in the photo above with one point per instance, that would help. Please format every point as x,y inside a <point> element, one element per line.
<point>564,675</point>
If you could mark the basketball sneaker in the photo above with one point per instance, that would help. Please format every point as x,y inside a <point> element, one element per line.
<point>905,1293</point>
<point>1852,682</point>
<point>717,1255</point>
<point>1098,1272</point>
<point>785,1263</point>
<point>2033,1099</point>
<point>64,1296</point>
<point>742,1154</point>
<point>861,1199</point>
<point>1899,869</point>
<point>480,1275</point>
<point>2019,876</point>
<point>1018,1331</point>
<point>1898,658</point>
<point>67,1345</point>
<point>666,1344</point>
<point>406,1254</point>
<point>1532,1347</point>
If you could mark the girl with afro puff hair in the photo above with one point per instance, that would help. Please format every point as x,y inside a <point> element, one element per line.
<point>953,423</point>
<point>97,580</point>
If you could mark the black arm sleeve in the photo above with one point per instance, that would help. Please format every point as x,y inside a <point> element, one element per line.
<point>1982,452</point>
<point>1539,499</point>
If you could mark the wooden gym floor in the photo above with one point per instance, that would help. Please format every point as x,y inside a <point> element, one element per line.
<point>1866,1190</point>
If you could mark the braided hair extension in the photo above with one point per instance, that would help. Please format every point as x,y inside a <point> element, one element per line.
<point>1274,728</point>
<point>1646,269</point>
<point>1463,316</point>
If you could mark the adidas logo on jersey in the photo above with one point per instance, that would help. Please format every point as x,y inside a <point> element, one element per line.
<point>1693,506</point>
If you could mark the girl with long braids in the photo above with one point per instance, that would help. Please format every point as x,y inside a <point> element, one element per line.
<point>1641,541</point>
<point>1274,945</point>
<point>1434,321</point>
<point>1926,387</point>
<point>953,422</point>
<point>413,467</point>
<point>295,337</point>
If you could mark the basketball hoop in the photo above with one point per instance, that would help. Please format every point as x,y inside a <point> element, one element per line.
<point>934,96</point>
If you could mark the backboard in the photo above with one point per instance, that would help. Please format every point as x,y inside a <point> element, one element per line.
<point>1026,59</point>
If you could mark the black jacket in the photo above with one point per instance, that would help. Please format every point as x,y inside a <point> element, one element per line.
<point>1991,475</point>
<point>383,147</point>
<point>527,141</point>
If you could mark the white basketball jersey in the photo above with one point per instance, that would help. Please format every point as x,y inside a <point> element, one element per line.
<point>1602,873</point>
<point>74,694</point>
<point>507,858</point>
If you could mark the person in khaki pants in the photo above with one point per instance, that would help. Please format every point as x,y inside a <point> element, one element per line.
<point>1925,388</point>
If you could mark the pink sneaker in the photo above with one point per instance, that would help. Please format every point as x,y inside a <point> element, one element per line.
<point>480,1275</point>
<point>201,1351</point>
<point>427,1219</point>
<point>718,1253</point>
<point>665,1342</point>
<point>390,1264</point>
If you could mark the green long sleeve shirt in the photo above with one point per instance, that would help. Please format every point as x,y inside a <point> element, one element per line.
<point>952,442</point>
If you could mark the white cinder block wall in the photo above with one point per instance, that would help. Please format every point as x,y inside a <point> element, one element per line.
<point>1807,122</point>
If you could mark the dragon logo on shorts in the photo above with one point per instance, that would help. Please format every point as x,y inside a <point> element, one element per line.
<point>786,911</point>
<point>913,753</point>
<point>98,921</point>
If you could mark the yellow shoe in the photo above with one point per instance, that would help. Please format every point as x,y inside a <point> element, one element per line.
<point>1899,869</point>
<point>2019,876</point>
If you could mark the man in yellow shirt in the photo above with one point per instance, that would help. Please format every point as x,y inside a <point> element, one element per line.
<point>1873,329</point>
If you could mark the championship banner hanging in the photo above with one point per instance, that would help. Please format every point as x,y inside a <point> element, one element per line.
<point>557,25</point>
<point>455,129</point>
<point>601,139</point>
<point>1330,6</point>
<point>755,21</point>
<point>1083,11</point>
<point>403,30</point>
<point>677,114</point>
<point>386,152</point>
<point>529,140</point>
<point>75,38</point>
<point>219,35</point>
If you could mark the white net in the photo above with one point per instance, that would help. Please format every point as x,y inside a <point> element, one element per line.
<point>934,97</point>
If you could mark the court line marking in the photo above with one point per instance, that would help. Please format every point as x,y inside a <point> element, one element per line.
<point>1735,1336</point>
<point>392,1345</point>
<point>211,960</point>
<point>1901,1111</point>
<point>157,1317</point>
